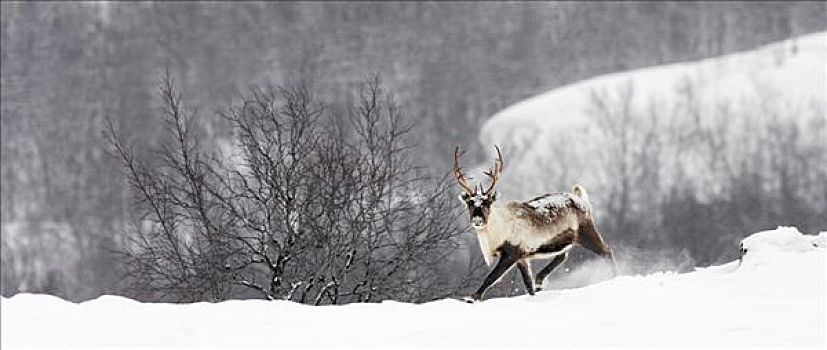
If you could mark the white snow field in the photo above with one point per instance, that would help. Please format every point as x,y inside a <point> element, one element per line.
<point>774,298</point>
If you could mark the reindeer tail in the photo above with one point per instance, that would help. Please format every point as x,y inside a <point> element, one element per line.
<point>589,237</point>
<point>580,191</point>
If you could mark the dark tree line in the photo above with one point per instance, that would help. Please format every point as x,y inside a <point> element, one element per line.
<point>697,175</point>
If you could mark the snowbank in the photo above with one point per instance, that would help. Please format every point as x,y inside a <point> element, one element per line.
<point>783,239</point>
<point>775,298</point>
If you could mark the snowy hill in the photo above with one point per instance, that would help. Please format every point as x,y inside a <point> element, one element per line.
<point>797,65</point>
<point>775,297</point>
<point>545,133</point>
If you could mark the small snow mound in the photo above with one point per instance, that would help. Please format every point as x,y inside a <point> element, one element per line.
<point>819,240</point>
<point>782,239</point>
<point>29,298</point>
<point>110,300</point>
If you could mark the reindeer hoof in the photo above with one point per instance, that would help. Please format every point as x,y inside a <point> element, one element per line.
<point>471,299</point>
<point>538,289</point>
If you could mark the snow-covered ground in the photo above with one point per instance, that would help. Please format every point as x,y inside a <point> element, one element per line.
<point>775,297</point>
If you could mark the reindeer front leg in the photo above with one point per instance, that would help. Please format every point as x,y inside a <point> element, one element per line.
<point>509,255</point>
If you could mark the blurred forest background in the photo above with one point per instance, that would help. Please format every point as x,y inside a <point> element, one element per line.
<point>67,66</point>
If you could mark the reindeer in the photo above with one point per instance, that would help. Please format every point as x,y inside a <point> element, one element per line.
<point>518,232</point>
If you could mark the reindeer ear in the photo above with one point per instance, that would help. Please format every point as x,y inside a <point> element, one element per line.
<point>463,197</point>
<point>493,196</point>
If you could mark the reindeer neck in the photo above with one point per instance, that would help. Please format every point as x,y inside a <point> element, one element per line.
<point>495,232</point>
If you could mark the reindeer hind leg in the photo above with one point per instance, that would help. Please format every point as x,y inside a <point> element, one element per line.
<point>541,276</point>
<point>525,270</point>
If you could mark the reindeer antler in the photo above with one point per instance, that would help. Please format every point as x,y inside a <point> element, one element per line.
<point>461,179</point>
<point>495,172</point>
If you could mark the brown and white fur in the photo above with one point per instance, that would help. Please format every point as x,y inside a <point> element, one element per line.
<point>517,232</point>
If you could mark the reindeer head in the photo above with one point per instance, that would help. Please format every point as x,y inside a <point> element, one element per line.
<point>478,200</point>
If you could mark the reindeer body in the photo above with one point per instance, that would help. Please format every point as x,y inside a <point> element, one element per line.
<point>517,232</point>
<point>543,227</point>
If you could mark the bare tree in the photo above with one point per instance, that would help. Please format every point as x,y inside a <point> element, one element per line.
<point>306,207</point>
<point>696,172</point>
<point>631,154</point>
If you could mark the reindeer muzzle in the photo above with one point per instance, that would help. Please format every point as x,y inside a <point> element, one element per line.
<point>477,221</point>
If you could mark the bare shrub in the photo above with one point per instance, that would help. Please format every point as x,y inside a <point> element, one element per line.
<point>310,206</point>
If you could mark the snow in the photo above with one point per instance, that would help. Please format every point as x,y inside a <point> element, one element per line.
<point>556,202</point>
<point>783,239</point>
<point>775,298</point>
